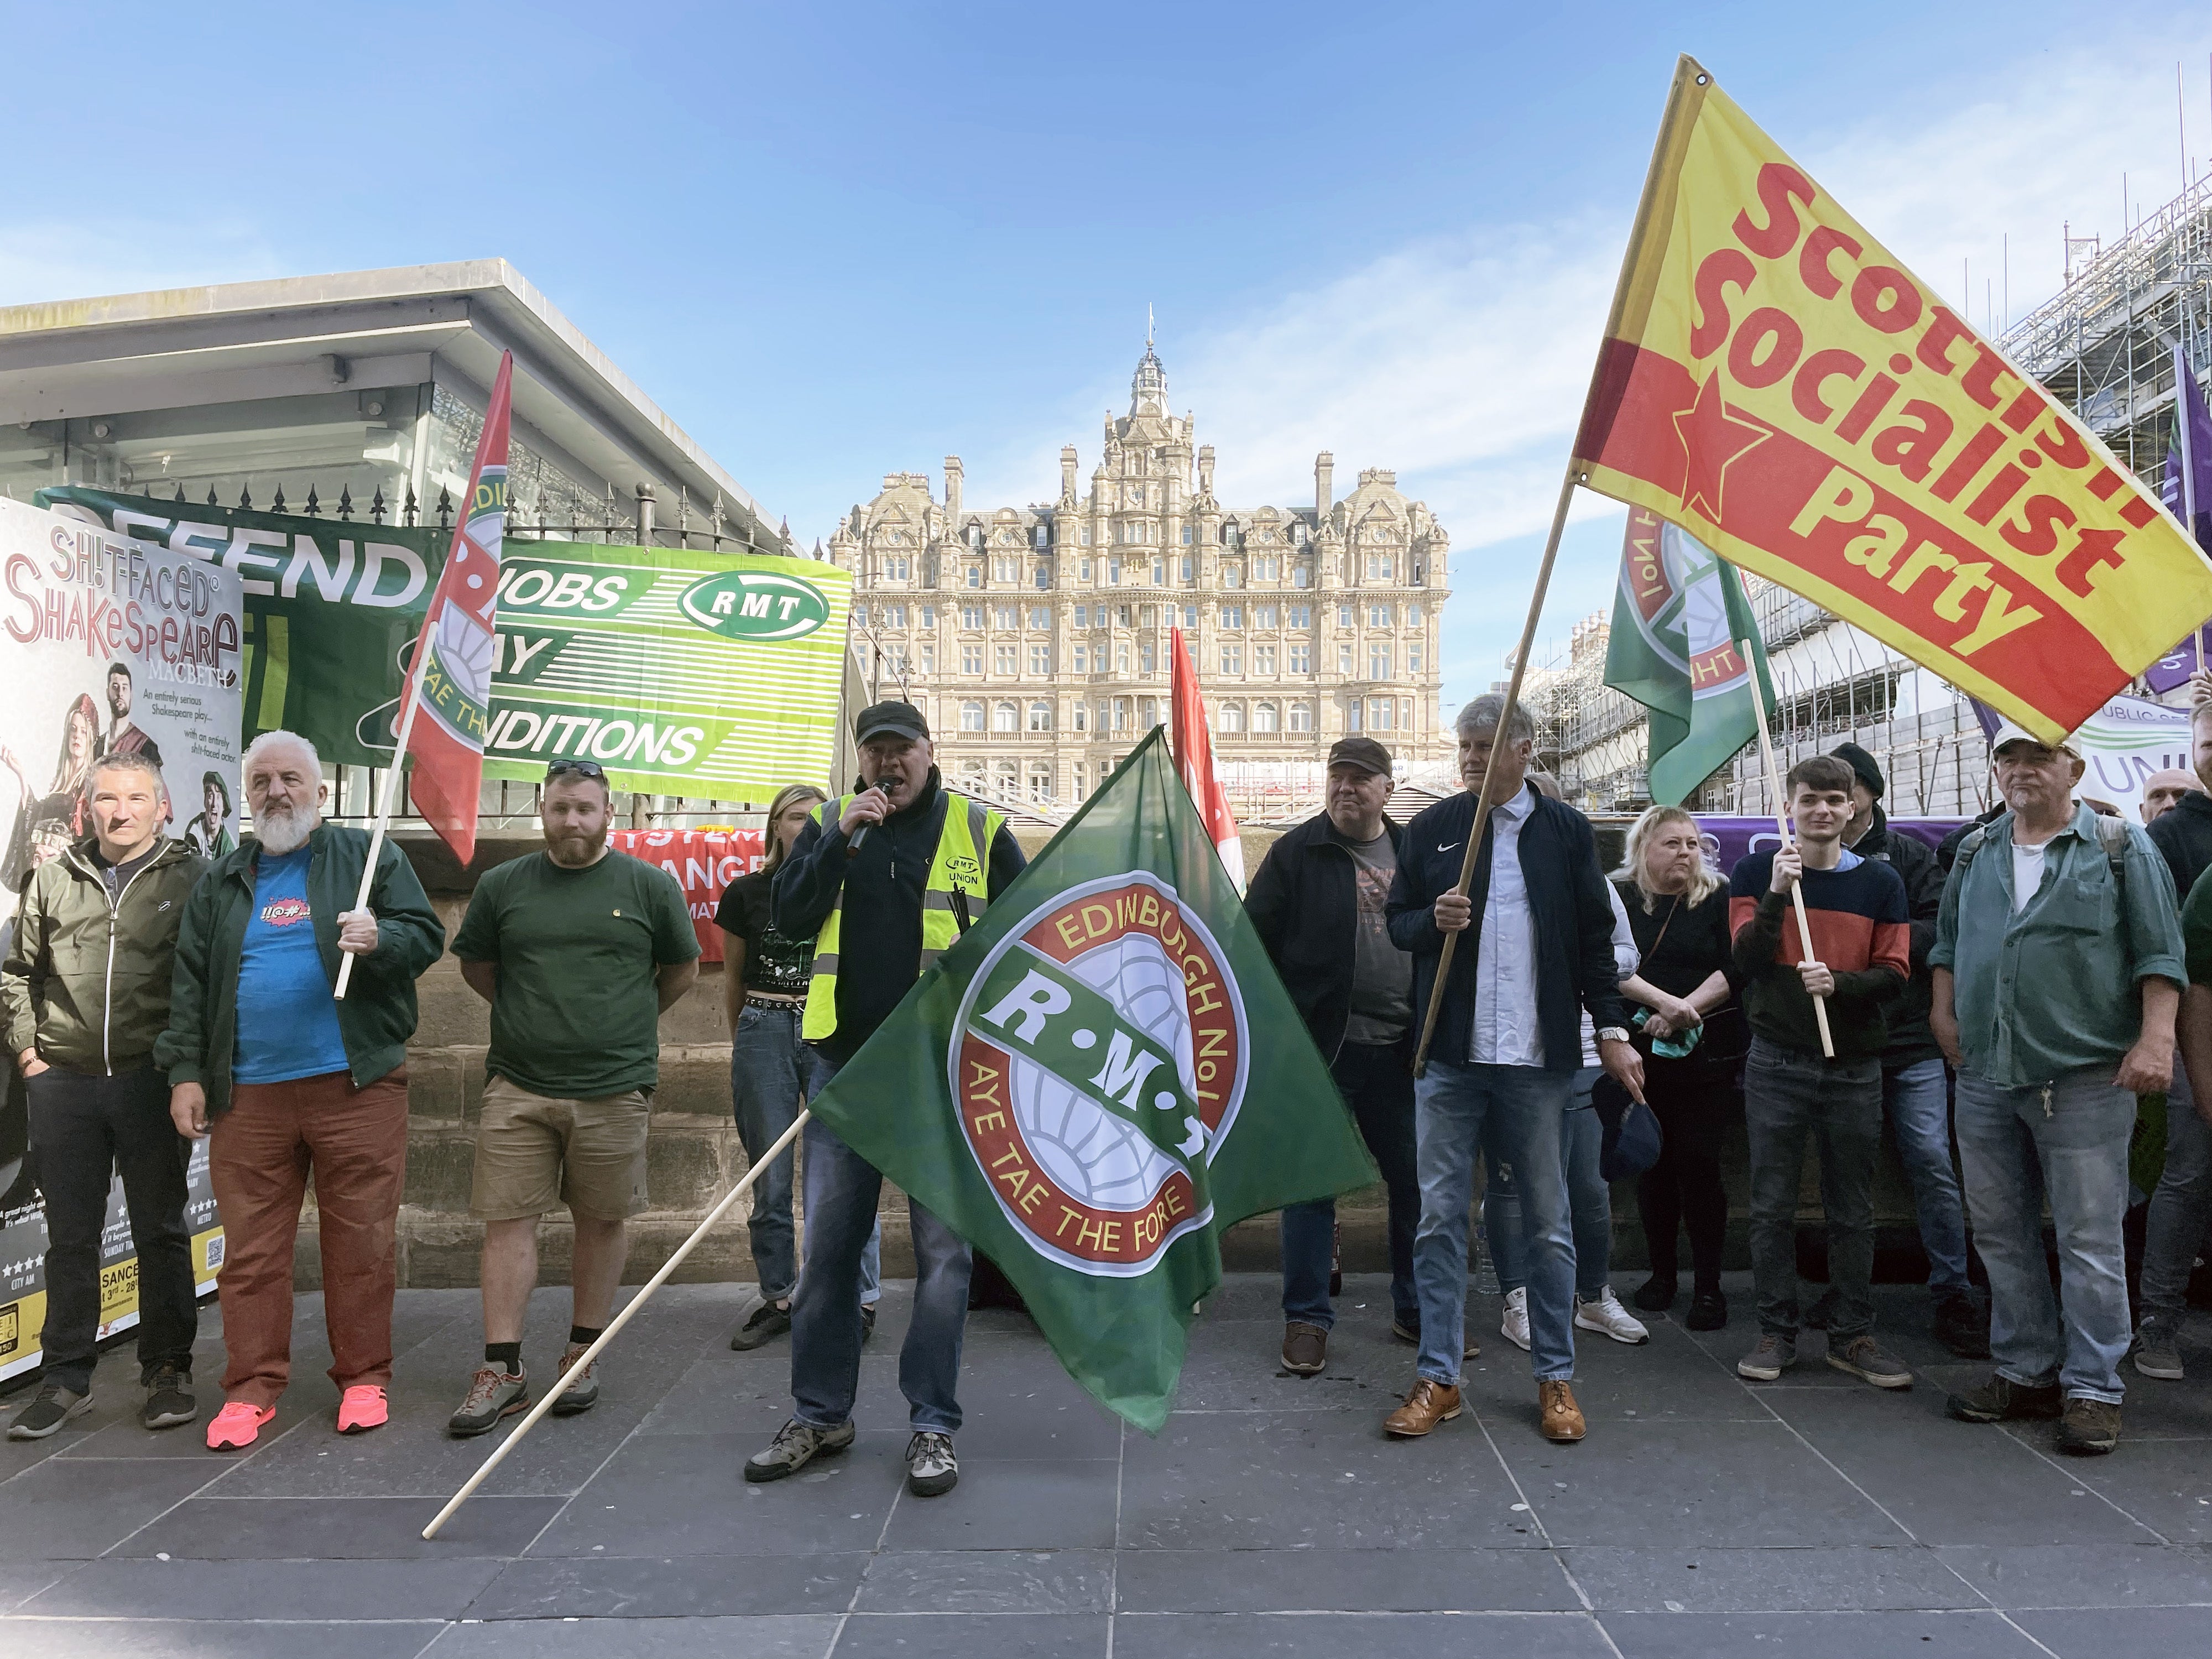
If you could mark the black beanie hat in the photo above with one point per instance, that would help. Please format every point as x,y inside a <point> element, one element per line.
<point>1862,763</point>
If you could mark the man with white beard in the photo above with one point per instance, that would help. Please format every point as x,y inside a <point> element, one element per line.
<point>285,1079</point>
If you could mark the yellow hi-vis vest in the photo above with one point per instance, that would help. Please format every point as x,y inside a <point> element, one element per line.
<point>963,864</point>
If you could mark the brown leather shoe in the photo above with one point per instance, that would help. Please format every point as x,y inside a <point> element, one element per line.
<point>1557,1416</point>
<point>1432,1402</point>
<point>1305,1349</point>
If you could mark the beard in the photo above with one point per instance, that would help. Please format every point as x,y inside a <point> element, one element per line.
<point>285,829</point>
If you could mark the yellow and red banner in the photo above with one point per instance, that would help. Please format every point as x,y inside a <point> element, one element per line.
<point>1777,383</point>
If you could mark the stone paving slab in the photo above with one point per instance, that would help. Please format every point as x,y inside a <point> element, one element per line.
<point>1270,1516</point>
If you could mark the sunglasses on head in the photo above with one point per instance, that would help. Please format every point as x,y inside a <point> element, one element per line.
<point>582,769</point>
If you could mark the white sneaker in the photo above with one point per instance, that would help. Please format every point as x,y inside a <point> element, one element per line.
<point>1515,1322</point>
<point>1606,1316</point>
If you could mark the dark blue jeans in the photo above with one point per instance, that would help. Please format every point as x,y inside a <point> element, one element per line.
<point>771,1073</point>
<point>1790,1098</point>
<point>842,1188</point>
<point>1590,1200</point>
<point>1376,1082</point>
<point>85,1131</point>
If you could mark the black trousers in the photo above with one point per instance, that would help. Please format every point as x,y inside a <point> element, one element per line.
<point>1695,1100</point>
<point>84,1129</point>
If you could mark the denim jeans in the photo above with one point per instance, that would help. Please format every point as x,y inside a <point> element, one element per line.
<point>2179,1207</point>
<point>1790,1098</point>
<point>771,1071</point>
<point>85,1131</point>
<point>1376,1082</point>
<point>842,1188</point>
<point>1514,1113</point>
<point>2067,1142</point>
<point>1590,1200</point>
<point>1918,1101</point>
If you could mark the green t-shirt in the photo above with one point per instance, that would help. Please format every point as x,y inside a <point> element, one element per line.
<point>577,1013</point>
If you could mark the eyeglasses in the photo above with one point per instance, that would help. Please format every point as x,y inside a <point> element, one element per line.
<point>582,769</point>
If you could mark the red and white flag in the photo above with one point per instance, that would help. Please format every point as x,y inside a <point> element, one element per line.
<point>1193,759</point>
<point>443,726</point>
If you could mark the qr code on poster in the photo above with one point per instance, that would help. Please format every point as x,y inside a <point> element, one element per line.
<point>215,1252</point>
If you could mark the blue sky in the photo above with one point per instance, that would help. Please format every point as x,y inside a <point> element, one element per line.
<point>835,241</point>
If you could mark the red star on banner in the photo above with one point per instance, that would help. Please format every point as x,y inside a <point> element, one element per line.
<point>1712,437</point>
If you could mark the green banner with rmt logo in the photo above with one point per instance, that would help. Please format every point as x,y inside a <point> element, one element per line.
<point>682,673</point>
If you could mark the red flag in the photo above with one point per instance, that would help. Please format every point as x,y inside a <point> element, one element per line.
<point>452,693</point>
<point>1193,759</point>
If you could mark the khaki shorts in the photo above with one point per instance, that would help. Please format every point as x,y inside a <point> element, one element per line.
<point>535,1154</point>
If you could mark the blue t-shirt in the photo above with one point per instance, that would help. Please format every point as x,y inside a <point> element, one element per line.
<point>287,1020</point>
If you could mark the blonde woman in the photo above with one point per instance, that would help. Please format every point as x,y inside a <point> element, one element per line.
<point>1678,911</point>
<point>772,1072</point>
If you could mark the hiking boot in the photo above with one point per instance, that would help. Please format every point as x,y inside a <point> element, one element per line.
<point>1515,1322</point>
<point>1305,1349</point>
<point>1558,1417</point>
<point>2089,1428</point>
<point>1708,1311</point>
<point>1773,1356</point>
<point>2001,1399</point>
<point>1655,1294</point>
<point>796,1446</point>
<point>1862,1357</point>
<point>1821,1315</point>
<point>1962,1325</point>
<point>169,1401</point>
<point>1608,1318</point>
<point>1409,1330</point>
<point>1432,1402</point>
<point>583,1394</point>
<point>932,1470</point>
<point>493,1393</point>
<point>2158,1349</point>
<point>53,1407</point>
<point>768,1323</point>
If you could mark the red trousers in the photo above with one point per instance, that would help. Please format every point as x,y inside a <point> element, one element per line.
<point>259,1155</point>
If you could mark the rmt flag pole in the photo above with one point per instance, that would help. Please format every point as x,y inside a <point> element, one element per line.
<point>1193,760</point>
<point>453,663</point>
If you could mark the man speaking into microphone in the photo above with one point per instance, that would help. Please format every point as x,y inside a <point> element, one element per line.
<point>905,865</point>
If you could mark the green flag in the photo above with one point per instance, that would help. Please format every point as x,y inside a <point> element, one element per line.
<point>1676,622</point>
<point>1097,1079</point>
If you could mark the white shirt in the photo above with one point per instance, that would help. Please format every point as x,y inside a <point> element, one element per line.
<point>1506,1031</point>
<point>2027,873</point>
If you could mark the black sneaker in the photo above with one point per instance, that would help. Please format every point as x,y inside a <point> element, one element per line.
<point>932,1470</point>
<point>169,1401</point>
<point>867,1321</point>
<point>2089,1428</point>
<point>769,1322</point>
<point>53,1405</point>
<point>2001,1399</point>
<point>1708,1311</point>
<point>1864,1358</point>
<point>1656,1294</point>
<point>1962,1325</point>
<point>493,1393</point>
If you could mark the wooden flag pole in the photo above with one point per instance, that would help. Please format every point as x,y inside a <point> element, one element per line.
<point>1482,801</point>
<point>585,1358</point>
<point>388,795</point>
<point>1782,824</point>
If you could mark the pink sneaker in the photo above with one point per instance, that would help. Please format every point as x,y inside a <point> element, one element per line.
<point>361,1409</point>
<point>238,1425</point>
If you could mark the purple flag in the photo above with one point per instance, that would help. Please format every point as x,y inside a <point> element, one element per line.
<point>2188,488</point>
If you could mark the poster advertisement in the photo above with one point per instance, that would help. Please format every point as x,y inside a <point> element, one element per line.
<point>703,862</point>
<point>104,645</point>
<point>694,673</point>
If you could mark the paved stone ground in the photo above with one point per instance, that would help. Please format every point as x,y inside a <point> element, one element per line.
<point>1703,1516</point>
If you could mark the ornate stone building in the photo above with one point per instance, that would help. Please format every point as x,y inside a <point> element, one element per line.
<point>1036,639</point>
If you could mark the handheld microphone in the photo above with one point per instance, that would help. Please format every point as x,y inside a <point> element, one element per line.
<point>852,844</point>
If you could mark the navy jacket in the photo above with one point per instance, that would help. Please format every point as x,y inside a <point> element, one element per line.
<point>1573,915</point>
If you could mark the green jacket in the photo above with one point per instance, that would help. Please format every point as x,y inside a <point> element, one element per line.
<point>378,1015</point>
<point>87,978</point>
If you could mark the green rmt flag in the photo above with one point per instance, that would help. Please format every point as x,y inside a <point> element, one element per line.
<point>1099,1077</point>
<point>1677,618</point>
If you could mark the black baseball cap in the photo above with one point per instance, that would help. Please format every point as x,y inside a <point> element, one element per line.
<point>1364,752</point>
<point>892,718</point>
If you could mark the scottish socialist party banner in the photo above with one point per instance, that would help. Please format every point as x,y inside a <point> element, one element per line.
<point>1100,1077</point>
<point>682,673</point>
<point>106,645</point>
<point>1776,382</point>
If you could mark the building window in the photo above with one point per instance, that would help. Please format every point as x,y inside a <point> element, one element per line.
<point>1040,717</point>
<point>1265,716</point>
<point>971,717</point>
<point>1233,657</point>
<point>1007,661</point>
<point>1232,717</point>
<point>1084,539</point>
<point>1412,616</point>
<point>1082,724</point>
<point>1189,564</point>
<point>1263,659</point>
<point>1301,659</point>
<point>975,536</point>
<point>1114,570</point>
<point>1186,542</point>
<point>1040,619</point>
<point>1344,615</point>
<point>1378,615</point>
<point>1042,538</point>
<point>1352,715</point>
<point>1299,616</point>
<point>1144,658</point>
<point>1121,658</point>
<point>1004,718</point>
<point>971,658</point>
<point>1301,717</point>
<point>1120,714</point>
<point>1006,781</point>
<point>1302,574</point>
<point>1159,571</point>
<point>1082,659</point>
<point>1190,619</point>
<point>929,615</point>
<point>1039,660</point>
<point>1263,616</point>
<point>1412,659</point>
<point>1148,712</point>
<point>1102,707</point>
<point>1344,658</point>
<point>1084,570</point>
<point>971,616</point>
<point>1378,662</point>
<point>1004,617</point>
<point>1079,774</point>
<point>929,660</point>
<point>1380,713</point>
<point>1232,616</point>
<point>1005,570</point>
<point>1043,577</point>
<point>1040,787</point>
<point>1123,612</point>
<point>1268,567</point>
<point>1231,576</point>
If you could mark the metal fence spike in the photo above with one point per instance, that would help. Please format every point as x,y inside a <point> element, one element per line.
<point>277,505</point>
<point>211,500</point>
<point>345,502</point>
<point>245,499</point>
<point>314,508</point>
<point>445,509</point>
<point>180,495</point>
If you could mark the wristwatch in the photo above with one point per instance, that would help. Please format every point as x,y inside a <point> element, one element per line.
<point>1612,1034</point>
